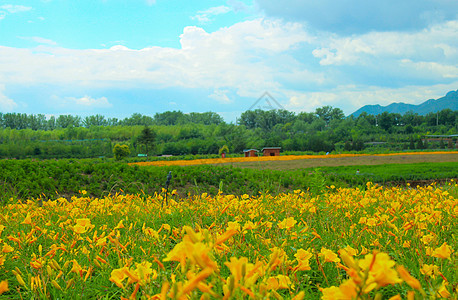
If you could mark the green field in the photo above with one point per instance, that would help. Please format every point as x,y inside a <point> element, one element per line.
<point>22,179</point>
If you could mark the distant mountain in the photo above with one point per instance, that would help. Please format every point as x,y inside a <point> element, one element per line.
<point>448,101</point>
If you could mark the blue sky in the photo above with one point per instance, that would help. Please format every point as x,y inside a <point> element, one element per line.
<point>119,57</point>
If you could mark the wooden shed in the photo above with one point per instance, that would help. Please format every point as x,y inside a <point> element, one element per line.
<point>251,152</point>
<point>271,151</point>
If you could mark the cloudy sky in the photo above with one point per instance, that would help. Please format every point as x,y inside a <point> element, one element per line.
<point>119,57</point>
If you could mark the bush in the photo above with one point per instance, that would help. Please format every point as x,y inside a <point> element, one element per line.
<point>121,151</point>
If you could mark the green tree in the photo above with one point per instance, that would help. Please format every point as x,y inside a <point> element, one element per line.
<point>328,113</point>
<point>147,138</point>
<point>419,144</point>
<point>121,151</point>
<point>411,144</point>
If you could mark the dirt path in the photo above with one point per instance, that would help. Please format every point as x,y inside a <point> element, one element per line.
<point>347,161</point>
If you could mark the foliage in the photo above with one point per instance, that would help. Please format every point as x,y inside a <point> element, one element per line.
<point>177,133</point>
<point>23,179</point>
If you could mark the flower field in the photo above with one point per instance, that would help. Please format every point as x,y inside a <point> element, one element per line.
<point>377,243</point>
<point>267,158</point>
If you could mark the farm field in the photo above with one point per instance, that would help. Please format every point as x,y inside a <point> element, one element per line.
<point>343,243</point>
<point>363,160</point>
<point>308,161</point>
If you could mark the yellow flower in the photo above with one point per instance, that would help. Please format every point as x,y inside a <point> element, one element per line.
<point>132,275</point>
<point>36,264</point>
<point>193,282</point>
<point>76,268</point>
<point>249,225</point>
<point>3,286</point>
<point>412,281</point>
<point>82,226</point>
<point>350,251</point>
<point>303,254</point>
<point>346,291</point>
<point>443,292</point>
<point>7,248</point>
<point>328,255</point>
<point>225,236</point>
<point>287,223</point>
<point>277,257</point>
<point>406,244</point>
<point>303,257</point>
<point>371,221</point>
<point>200,255</point>
<point>120,225</point>
<point>233,225</point>
<point>84,222</point>
<point>117,276</point>
<point>278,282</point>
<point>443,251</point>
<point>27,220</point>
<point>380,268</point>
<point>332,293</point>
<point>101,242</point>
<point>144,272</point>
<point>179,252</point>
<point>430,270</point>
<point>79,229</point>
<point>426,239</point>
<point>236,265</point>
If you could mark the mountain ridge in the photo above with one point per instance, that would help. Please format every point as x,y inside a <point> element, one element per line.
<point>450,100</point>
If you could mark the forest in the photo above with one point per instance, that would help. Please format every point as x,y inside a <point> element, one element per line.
<point>177,133</point>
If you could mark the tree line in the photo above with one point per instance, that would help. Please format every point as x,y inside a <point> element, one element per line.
<point>40,122</point>
<point>176,133</point>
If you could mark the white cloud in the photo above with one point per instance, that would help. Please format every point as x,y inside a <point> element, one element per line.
<point>205,16</point>
<point>248,58</point>
<point>220,96</point>
<point>87,102</point>
<point>6,104</point>
<point>360,16</point>
<point>229,57</point>
<point>150,2</point>
<point>15,8</point>
<point>39,40</point>
<point>435,43</point>
<point>433,68</point>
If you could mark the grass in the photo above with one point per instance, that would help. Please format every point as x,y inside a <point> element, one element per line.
<point>23,179</point>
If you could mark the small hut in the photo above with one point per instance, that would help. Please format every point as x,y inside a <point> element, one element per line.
<point>271,151</point>
<point>251,152</point>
